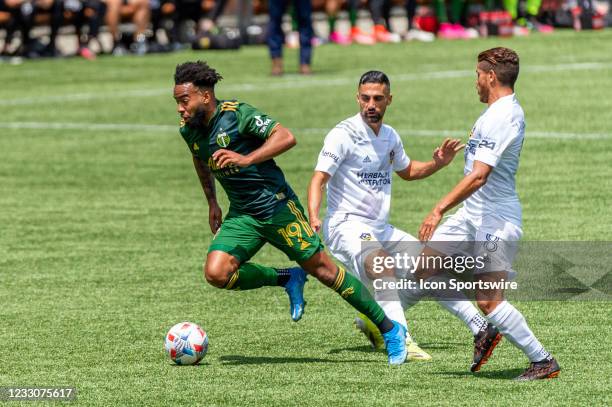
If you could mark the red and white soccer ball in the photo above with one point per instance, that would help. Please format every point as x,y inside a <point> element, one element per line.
<point>186,343</point>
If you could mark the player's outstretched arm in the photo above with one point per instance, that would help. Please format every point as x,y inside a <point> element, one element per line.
<point>442,156</point>
<point>207,180</point>
<point>466,187</point>
<point>279,141</point>
<point>315,193</point>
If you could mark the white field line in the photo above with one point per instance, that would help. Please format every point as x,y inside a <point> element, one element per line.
<point>162,128</point>
<point>292,84</point>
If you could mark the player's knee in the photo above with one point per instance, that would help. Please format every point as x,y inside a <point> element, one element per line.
<point>218,274</point>
<point>215,277</point>
<point>487,306</point>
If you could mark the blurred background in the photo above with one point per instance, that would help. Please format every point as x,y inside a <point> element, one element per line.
<point>88,28</point>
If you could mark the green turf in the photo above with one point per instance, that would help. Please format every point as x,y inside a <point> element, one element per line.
<point>104,230</point>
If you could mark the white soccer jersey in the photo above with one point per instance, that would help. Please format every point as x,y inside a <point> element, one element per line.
<point>361,165</point>
<point>496,139</point>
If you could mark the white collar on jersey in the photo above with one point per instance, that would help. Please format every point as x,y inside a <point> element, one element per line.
<point>368,129</point>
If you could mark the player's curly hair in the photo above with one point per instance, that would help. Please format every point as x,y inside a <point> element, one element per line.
<point>198,73</point>
<point>504,62</point>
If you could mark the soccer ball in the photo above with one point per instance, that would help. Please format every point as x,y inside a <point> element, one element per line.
<point>186,343</point>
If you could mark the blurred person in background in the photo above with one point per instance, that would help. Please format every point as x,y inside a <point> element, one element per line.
<point>414,32</point>
<point>88,13</point>
<point>55,9</point>
<point>380,13</point>
<point>276,36</point>
<point>450,23</point>
<point>358,36</point>
<point>332,7</point>
<point>23,16</point>
<point>140,11</point>
<point>209,23</point>
<point>525,13</point>
<point>16,22</point>
<point>164,16</point>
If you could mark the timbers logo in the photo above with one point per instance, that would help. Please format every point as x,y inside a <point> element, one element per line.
<point>223,139</point>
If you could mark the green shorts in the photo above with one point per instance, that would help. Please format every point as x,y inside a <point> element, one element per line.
<point>288,230</point>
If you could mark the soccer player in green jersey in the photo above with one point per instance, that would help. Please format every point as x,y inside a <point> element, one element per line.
<point>235,143</point>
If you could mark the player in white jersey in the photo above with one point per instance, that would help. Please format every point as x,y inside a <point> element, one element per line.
<point>491,212</point>
<point>357,162</point>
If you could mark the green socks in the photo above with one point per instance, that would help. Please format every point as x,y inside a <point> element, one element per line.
<point>332,23</point>
<point>457,7</point>
<point>251,275</point>
<point>352,12</point>
<point>356,294</point>
<point>440,10</point>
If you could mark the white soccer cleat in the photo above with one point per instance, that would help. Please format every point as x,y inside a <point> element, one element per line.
<point>419,35</point>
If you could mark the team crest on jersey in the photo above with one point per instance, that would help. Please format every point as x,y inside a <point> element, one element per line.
<point>391,157</point>
<point>365,236</point>
<point>223,139</point>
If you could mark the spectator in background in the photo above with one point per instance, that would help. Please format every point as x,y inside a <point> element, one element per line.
<point>332,7</point>
<point>88,13</point>
<point>414,32</point>
<point>209,23</point>
<point>204,13</point>
<point>451,28</point>
<point>23,14</point>
<point>16,22</point>
<point>55,9</point>
<point>276,36</point>
<point>525,14</point>
<point>357,34</point>
<point>381,12</point>
<point>140,17</point>
<point>165,16</point>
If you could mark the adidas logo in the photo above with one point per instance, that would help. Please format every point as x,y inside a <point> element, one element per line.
<point>367,160</point>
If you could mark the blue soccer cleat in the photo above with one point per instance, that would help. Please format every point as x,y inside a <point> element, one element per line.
<point>395,342</point>
<point>295,291</point>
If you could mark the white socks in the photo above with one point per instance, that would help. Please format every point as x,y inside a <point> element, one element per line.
<point>461,308</point>
<point>511,323</point>
<point>465,311</point>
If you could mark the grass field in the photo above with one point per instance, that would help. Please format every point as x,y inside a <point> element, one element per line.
<point>104,229</point>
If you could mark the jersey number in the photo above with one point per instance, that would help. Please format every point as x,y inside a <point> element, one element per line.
<point>487,144</point>
<point>293,230</point>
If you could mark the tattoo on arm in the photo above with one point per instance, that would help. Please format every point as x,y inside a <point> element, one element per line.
<point>207,179</point>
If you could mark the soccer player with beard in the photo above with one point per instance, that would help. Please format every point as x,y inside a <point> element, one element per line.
<point>356,163</point>
<point>235,143</point>
<point>490,217</point>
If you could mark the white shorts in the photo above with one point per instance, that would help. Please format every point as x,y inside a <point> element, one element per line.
<point>495,237</point>
<point>345,238</point>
